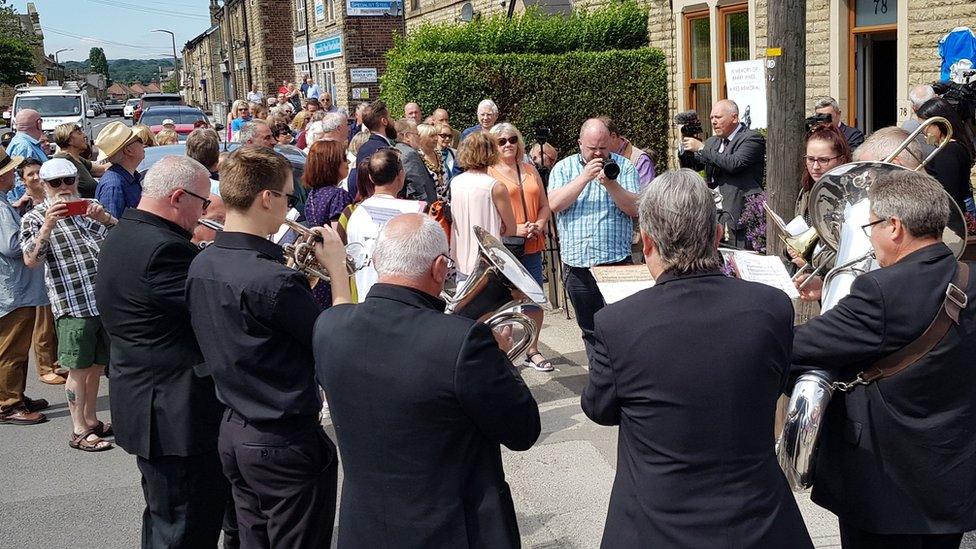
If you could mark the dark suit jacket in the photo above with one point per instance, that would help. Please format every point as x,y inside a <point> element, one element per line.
<point>738,172</point>
<point>373,144</point>
<point>421,400</point>
<point>160,406</point>
<point>854,136</point>
<point>419,184</point>
<point>897,456</point>
<point>693,387</point>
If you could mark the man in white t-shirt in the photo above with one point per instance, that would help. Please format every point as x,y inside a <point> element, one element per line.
<point>386,174</point>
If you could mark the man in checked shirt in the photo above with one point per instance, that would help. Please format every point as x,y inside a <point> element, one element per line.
<point>68,245</point>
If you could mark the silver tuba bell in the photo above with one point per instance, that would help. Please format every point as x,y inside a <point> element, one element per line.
<point>497,284</point>
<point>838,209</point>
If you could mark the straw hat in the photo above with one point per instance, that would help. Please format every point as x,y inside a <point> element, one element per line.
<point>8,163</point>
<point>113,137</point>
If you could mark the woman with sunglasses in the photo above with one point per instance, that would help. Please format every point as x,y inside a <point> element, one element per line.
<point>72,146</point>
<point>951,166</point>
<point>531,208</point>
<point>445,137</point>
<point>427,141</point>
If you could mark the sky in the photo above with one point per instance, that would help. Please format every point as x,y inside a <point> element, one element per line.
<point>121,27</point>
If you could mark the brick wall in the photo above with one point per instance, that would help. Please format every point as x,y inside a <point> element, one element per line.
<point>818,51</point>
<point>446,11</point>
<point>367,39</point>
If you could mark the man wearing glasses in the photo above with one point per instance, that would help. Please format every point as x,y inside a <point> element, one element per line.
<point>165,412</point>
<point>65,242</point>
<point>253,317</point>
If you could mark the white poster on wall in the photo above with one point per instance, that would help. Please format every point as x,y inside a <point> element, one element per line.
<point>745,82</point>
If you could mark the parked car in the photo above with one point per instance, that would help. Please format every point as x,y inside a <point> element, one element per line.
<point>130,107</point>
<point>151,99</point>
<point>183,118</point>
<point>114,107</point>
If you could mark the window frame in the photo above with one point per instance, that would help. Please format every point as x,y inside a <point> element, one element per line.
<point>690,81</point>
<point>723,50</point>
<point>851,111</point>
<point>300,7</point>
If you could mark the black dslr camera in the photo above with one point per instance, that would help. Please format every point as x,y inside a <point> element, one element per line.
<point>819,119</point>
<point>689,123</point>
<point>542,135</point>
<point>610,168</point>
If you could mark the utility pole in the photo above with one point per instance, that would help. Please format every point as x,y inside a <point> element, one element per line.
<point>176,63</point>
<point>786,98</point>
<point>228,36</point>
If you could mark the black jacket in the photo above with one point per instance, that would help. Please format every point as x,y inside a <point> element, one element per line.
<point>693,387</point>
<point>421,401</point>
<point>738,172</point>
<point>418,185</point>
<point>160,405</point>
<point>854,136</point>
<point>897,456</point>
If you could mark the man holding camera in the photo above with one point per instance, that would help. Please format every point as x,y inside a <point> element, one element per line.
<point>594,196</point>
<point>734,160</point>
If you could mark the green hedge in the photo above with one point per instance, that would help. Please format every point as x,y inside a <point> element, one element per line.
<point>558,91</point>
<point>619,26</point>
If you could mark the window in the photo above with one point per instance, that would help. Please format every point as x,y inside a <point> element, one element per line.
<point>327,78</point>
<point>329,10</point>
<point>414,5</point>
<point>299,16</point>
<point>698,65</point>
<point>733,38</point>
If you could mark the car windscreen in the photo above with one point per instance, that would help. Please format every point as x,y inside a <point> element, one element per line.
<point>133,102</point>
<point>51,105</point>
<point>150,101</point>
<point>155,119</point>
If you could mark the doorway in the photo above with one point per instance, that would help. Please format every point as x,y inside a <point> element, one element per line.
<point>875,66</point>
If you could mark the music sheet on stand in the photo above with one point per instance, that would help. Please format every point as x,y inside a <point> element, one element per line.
<point>765,269</point>
<point>619,282</point>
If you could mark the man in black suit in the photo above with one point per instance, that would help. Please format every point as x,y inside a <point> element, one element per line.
<point>693,387</point>
<point>164,410</point>
<point>420,400</point>
<point>734,160</point>
<point>829,106</point>
<point>418,185</point>
<point>897,461</point>
<point>376,119</point>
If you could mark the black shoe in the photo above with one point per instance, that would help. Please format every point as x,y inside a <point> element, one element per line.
<point>35,405</point>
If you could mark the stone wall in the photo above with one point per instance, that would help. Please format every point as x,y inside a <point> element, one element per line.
<point>928,21</point>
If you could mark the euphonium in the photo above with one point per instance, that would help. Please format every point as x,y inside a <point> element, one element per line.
<point>838,209</point>
<point>497,284</point>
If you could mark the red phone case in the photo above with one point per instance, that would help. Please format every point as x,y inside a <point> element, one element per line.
<point>77,207</point>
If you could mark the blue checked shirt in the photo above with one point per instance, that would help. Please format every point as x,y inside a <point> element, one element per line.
<point>593,231</point>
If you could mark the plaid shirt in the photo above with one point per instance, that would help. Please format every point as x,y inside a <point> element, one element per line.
<point>71,256</point>
<point>593,230</point>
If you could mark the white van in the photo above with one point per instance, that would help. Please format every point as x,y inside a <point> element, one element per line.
<point>57,106</point>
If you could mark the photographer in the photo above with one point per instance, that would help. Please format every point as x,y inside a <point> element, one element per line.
<point>734,160</point>
<point>829,107</point>
<point>593,194</point>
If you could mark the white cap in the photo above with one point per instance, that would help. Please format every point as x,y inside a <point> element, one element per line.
<point>56,168</point>
<point>169,122</point>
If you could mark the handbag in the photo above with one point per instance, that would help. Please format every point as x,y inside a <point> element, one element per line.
<point>516,244</point>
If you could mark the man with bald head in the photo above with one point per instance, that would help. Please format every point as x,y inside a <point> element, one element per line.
<point>594,207</point>
<point>26,143</point>
<point>443,396</point>
<point>734,160</point>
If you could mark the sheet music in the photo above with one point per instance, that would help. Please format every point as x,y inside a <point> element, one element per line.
<point>617,283</point>
<point>764,269</point>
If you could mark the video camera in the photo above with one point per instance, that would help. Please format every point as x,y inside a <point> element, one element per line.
<point>961,96</point>
<point>542,135</point>
<point>819,119</point>
<point>689,123</point>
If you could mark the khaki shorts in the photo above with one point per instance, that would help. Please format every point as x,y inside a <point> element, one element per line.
<point>82,342</point>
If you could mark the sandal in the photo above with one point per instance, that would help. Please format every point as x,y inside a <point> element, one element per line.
<point>81,442</point>
<point>543,366</point>
<point>103,430</point>
<point>52,379</point>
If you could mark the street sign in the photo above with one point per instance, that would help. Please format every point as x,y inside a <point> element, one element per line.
<point>360,93</point>
<point>362,75</point>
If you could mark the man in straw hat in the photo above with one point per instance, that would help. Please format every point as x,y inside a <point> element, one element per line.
<point>21,292</point>
<point>121,186</point>
<point>67,244</point>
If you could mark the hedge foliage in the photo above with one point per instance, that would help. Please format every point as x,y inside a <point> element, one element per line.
<point>541,70</point>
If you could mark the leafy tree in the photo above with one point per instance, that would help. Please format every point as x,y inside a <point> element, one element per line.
<point>171,86</point>
<point>98,62</point>
<point>10,25</point>
<point>17,59</point>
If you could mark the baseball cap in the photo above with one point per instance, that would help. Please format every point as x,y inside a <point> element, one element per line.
<point>57,168</point>
<point>169,122</point>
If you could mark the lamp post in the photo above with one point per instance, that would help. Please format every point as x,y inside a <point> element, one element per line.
<point>59,51</point>
<point>176,64</point>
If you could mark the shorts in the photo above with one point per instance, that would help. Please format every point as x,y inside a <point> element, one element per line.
<point>533,264</point>
<point>82,342</point>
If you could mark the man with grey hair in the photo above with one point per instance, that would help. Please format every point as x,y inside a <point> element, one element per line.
<point>917,96</point>
<point>897,462</point>
<point>257,132</point>
<point>443,396</point>
<point>885,141</point>
<point>25,143</point>
<point>165,411</point>
<point>419,184</point>
<point>487,116</point>
<point>734,160</point>
<point>690,370</point>
<point>335,126</point>
<point>829,106</point>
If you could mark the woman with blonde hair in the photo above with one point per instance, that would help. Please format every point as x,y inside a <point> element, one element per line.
<point>145,135</point>
<point>233,114</point>
<point>527,196</point>
<point>72,146</point>
<point>478,199</point>
<point>445,137</point>
<point>427,145</point>
<point>167,136</point>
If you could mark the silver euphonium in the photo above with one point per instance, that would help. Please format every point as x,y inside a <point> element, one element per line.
<point>838,209</point>
<point>497,285</point>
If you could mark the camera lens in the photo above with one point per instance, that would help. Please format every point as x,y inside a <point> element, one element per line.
<point>611,169</point>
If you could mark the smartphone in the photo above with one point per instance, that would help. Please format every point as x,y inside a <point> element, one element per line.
<point>77,207</point>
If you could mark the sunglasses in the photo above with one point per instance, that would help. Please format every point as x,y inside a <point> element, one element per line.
<point>57,182</point>
<point>292,199</point>
<point>511,140</point>
<point>206,201</point>
<point>445,135</point>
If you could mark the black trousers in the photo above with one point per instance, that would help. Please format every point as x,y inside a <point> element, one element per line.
<point>283,475</point>
<point>853,538</point>
<point>586,298</point>
<point>185,501</point>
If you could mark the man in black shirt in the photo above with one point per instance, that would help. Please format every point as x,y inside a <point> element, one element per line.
<point>163,411</point>
<point>254,318</point>
<point>829,106</point>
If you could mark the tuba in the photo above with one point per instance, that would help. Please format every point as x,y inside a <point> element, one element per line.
<point>838,209</point>
<point>498,284</point>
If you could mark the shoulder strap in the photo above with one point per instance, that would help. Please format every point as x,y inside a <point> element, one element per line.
<point>525,209</point>
<point>948,316</point>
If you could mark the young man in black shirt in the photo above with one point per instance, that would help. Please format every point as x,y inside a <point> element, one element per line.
<point>253,317</point>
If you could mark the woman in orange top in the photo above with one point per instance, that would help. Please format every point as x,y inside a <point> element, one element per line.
<point>531,207</point>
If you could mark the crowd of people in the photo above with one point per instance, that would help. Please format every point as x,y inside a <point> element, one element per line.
<point>219,354</point>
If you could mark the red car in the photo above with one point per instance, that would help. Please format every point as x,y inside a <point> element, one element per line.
<point>154,99</point>
<point>183,118</point>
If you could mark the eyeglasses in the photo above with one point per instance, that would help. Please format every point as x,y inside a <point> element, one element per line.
<point>58,181</point>
<point>821,160</point>
<point>206,201</point>
<point>292,199</point>
<point>445,135</point>
<point>511,140</point>
<point>450,262</point>
<point>867,227</point>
